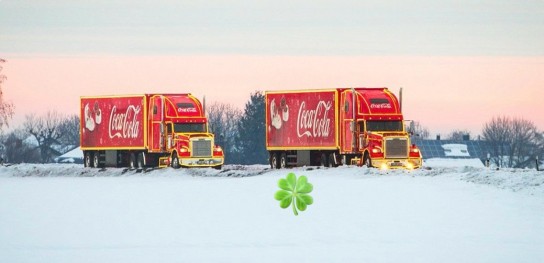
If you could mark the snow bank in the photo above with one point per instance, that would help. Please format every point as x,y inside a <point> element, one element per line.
<point>459,163</point>
<point>517,180</point>
<point>469,170</point>
<point>77,170</point>
<point>67,213</point>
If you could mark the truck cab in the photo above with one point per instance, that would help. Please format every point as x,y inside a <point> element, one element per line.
<point>375,132</point>
<point>179,126</point>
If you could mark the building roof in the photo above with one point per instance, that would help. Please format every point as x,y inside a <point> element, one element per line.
<point>454,149</point>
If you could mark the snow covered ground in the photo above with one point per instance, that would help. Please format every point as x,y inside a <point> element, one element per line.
<point>67,213</point>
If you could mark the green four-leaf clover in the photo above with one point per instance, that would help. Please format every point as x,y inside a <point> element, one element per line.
<point>294,192</point>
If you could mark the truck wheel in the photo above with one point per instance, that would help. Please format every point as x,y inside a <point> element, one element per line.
<point>283,160</point>
<point>132,163</point>
<point>140,162</point>
<point>332,160</point>
<point>367,161</point>
<point>96,159</point>
<point>274,162</point>
<point>175,161</point>
<point>88,159</point>
<point>346,160</point>
<point>324,160</point>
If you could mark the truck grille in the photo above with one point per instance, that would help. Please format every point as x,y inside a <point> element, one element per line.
<point>202,148</point>
<point>396,148</point>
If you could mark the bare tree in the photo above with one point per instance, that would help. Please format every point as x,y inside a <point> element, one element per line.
<point>6,108</point>
<point>513,142</point>
<point>222,119</point>
<point>458,135</point>
<point>496,133</point>
<point>69,128</point>
<point>417,129</point>
<point>524,143</point>
<point>45,130</point>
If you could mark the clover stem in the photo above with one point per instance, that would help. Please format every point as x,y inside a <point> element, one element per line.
<point>295,206</point>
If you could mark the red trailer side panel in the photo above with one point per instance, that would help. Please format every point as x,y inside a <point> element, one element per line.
<point>113,122</point>
<point>301,120</point>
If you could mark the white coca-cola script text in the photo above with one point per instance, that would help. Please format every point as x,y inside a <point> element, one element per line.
<point>125,124</point>
<point>380,106</point>
<point>314,122</point>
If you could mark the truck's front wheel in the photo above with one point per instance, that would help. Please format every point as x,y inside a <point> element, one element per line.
<point>175,161</point>
<point>367,161</point>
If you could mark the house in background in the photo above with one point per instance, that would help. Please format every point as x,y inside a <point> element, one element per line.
<point>73,156</point>
<point>464,152</point>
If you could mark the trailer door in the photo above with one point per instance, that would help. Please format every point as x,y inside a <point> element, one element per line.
<point>348,127</point>
<point>156,114</point>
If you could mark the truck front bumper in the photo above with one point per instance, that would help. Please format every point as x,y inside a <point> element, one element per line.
<point>201,162</point>
<point>385,164</point>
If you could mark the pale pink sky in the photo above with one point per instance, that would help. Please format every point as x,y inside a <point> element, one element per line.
<point>443,93</point>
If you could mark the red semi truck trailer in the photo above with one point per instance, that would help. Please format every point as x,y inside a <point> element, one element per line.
<point>362,126</point>
<point>149,130</point>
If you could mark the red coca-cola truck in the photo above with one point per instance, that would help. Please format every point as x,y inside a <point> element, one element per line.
<point>149,130</point>
<point>359,126</point>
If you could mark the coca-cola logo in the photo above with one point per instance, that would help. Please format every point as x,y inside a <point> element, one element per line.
<point>184,110</point>
<point>124,124</point>
<point>380,106</point>
<point>314,122</point>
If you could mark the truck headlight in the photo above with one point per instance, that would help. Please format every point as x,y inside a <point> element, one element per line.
<point>376,150</point>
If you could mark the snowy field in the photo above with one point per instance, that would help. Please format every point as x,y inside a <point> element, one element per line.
<point>447,213</point>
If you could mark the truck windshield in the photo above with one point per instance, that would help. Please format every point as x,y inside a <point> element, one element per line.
<point>384,126</point>
<point>189,127</point>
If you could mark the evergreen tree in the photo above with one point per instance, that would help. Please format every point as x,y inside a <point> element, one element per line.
<point>251,131</point>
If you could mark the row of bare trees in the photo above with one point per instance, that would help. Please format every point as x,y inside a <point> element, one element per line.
<point>41,138</point>
<point>513,142</point>
<point>422,132</point>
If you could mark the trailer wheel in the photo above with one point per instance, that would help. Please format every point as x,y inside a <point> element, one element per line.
<point>88,159</point>
<point>274,162</point>
<point>324,160</point>
<point>140,162</point>
<point>283,160</point>
<point>332,160</point>
<point>96,159</point>
<point>132,163</point>
<point>175,161</point>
